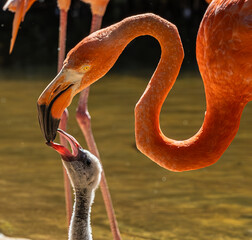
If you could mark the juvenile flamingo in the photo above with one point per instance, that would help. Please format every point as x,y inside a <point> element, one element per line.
<point>84,171</point>
<point>224,55</point>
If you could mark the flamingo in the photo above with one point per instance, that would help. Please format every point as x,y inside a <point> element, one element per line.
<point>64,6</point>
<point>224,55</point>
<point>84,171</point>
<point>20,7</point>
<point>98,8</point>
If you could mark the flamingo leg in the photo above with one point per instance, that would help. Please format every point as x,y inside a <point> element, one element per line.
<point>67,186</point>
<point>63,122</point>
<point>62,38</point>
<point>84,121</point>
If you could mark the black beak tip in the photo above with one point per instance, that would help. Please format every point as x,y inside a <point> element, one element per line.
<point>47,122</point>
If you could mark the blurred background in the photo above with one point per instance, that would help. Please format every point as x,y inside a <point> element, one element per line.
<point>38,34</point>
<point>150,202</point>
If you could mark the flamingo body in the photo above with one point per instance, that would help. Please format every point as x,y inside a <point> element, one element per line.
<point>224,56</point>
<point>224,50</point>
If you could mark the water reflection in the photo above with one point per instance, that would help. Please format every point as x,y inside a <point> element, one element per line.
<point>150,202</point>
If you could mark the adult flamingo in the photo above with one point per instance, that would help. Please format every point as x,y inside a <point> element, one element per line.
<point>20,8</point>
<point>224,55</point>
<point>98,8</point>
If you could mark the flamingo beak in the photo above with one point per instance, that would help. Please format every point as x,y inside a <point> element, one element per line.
<point>63,151</point>
<point>54,99</point>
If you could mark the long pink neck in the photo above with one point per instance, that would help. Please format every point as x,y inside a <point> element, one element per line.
<point>203,149</point>
<point>222,117</point>
<point>221,120</point>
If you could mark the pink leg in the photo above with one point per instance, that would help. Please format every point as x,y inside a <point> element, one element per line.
<point>62,38</point>
<point>84,121</point>
<point>67,187</point>
<point>63,122</point>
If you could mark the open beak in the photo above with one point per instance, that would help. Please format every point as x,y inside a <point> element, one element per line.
<point>63,151</point>
<point>54,99</point>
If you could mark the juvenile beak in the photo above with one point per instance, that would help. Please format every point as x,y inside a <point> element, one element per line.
<point>54,99</point>
<point>64,152</point>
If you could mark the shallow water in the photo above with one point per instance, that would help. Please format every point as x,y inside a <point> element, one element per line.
<point>150,202</point>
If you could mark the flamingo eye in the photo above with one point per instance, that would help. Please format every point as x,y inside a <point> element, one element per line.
<point>84,68</point>
<point>88,162</point>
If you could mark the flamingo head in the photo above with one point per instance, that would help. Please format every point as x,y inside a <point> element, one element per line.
<point>87,62</point>
<point>83,168</point>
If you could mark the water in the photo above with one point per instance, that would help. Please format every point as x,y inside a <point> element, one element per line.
<point>150,202</point>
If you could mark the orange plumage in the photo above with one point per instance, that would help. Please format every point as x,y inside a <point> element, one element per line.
<point>224,55</point>
<point>20,8</point>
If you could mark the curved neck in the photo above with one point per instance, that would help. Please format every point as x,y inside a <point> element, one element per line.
<point>80,228</point>
<point>222,117</point>
<point>220,126</point>
<point>221,121</point>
